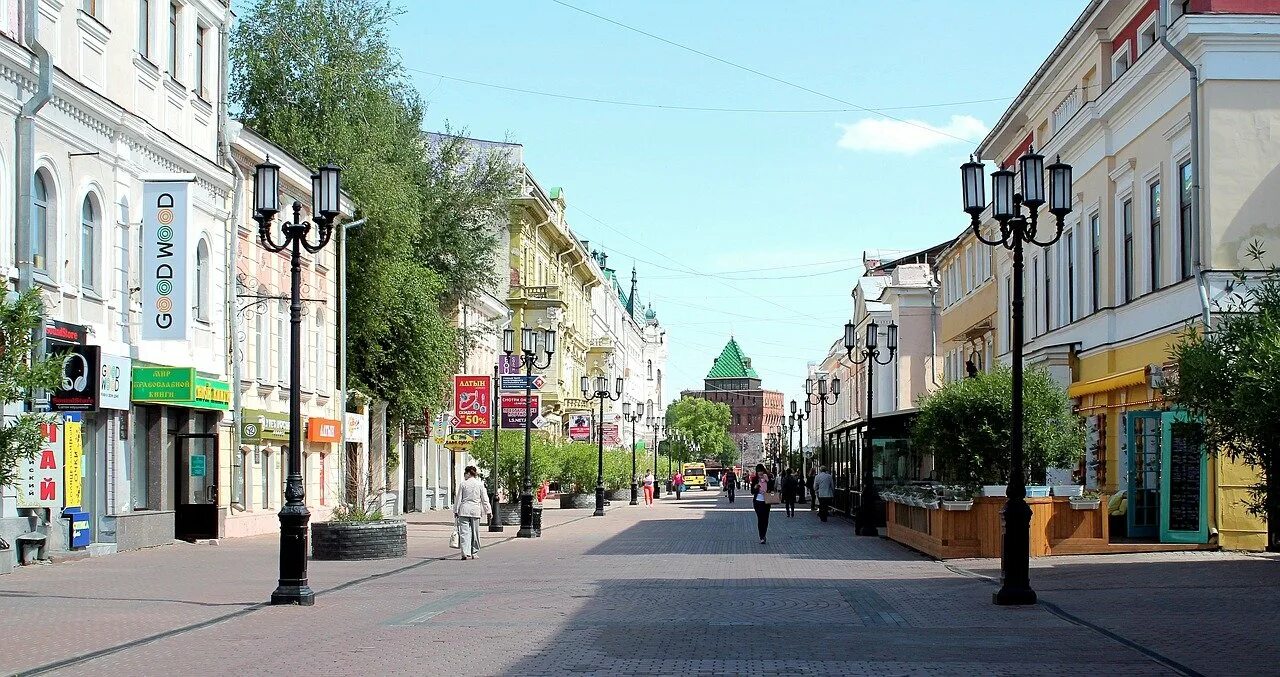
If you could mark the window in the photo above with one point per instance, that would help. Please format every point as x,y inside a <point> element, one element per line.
<point>1071,275</point>
<point>144,28</point>
<point>317,353</point>
<point>1184,219</point>
<point>1035,297</point>
<point>1147,35</point>
<point>1095,260</point>
<point>122,245</point>
<point>1120,61</point>
<point>1153,194</point>
<point>265,469</point>
<point>1047,294</point>
<point>40,223</point>
<point>282,344</point>
<point>173,40</point>
<point>201,32</point>
<point>90,7</point>
<point>650,369</point>
<point>202,281</point>
<point>88,252</point>
<point>1126,221</point>
<point>238,479</point>
<point>262,337</point>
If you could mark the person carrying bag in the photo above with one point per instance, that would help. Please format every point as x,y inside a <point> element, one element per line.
<point>761,499</point>
<point>472,504</point>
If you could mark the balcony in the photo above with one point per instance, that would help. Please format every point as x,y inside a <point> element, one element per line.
<point>1067,108</point>
<point>535,298</point>
<point>600,345</point>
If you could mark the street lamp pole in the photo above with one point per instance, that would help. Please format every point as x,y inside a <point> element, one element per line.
<point>601,393</point>
<point>633,419</point>
<point>530,339</point>
<point>820,398</point>
<point>1016,229</point>
<point>495,520</point>
<point>326,192</point>
<point>797,420</point>
<point>656,421</point>
<point>869,355</point>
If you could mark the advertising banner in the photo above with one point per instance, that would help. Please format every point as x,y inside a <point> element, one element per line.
<point>508,364</point>
<point>115,382</point>
<point>180,387</point>
<point>73,461</point>
<point>257,426</point>
<point>81,371</point>
<point>40,477</point>
<point>580,427</point>
<point>323,429</point>
<point>513,410</point>
<point>610,431</point>
<point>166,208</point>
<point>471,398</point>
<point>522,382</point>
<point>358,428</point>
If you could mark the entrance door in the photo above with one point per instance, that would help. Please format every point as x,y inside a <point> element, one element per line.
<point>1144,435</point>
<point>196,509</point>
<point>1185,484</point>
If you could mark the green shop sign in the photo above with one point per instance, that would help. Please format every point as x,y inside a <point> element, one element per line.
<point>257,426</point>
<point>179,387</point>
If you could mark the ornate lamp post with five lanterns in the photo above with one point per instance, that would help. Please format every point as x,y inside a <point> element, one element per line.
<point>326,193</point>
<point>869,354</point>
<point>633,419</point>
<point>797,421</point>
<point>657,423</point>
<point>530,342</point>
<point>1017,227</point>
<point>601,393</point>
<point>820,398</point>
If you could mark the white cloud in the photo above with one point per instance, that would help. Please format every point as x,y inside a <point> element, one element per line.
<point>881,135</point>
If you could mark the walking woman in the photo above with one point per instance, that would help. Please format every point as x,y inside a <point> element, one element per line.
<point>648,488</point>
<point>472,503</point>
<point>758,491</point>
<point>789,488</point>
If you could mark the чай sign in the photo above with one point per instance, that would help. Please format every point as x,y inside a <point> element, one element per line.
<point>41,477</point>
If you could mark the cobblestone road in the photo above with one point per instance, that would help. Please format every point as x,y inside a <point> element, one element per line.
<point>679,588</point>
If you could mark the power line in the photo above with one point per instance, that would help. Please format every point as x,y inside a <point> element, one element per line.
<point>762,74</point>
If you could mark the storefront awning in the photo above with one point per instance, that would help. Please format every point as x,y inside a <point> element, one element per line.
<point>1124,379</point>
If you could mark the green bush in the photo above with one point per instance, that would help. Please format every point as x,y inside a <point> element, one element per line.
<point>577,467</point>
<point>543,459</point>
<point>967,426</point>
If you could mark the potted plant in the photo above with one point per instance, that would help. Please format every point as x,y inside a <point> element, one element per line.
<point>956,497</point>
<point>617,475</point>
<point>357,532</point>
<point>1088,500</point>
<point>1068,490</point>
<point>577,475</point>
<point>510,471</point>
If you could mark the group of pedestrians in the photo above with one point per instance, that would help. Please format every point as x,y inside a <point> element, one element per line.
<point>763,487</point>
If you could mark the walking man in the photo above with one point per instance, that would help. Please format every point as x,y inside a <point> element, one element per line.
<point>730,483</point>
<point>824,486</point>
<point>813,497</point>
<point>790,485</point>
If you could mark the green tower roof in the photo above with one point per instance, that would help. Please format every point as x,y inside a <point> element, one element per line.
<point>732,363</point>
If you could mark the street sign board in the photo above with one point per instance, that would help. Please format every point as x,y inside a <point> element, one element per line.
<point>514,410</point>
<point>610,431</point>
<point>471,398</point>
<point>521,382</point>
<point>508,364</point>
<point>580,427</point>
<point>458,442</point>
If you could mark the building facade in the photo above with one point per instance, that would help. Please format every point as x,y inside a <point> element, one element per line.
<point>1136,263</point>
<point>756,412</point>
<point>131,105</point>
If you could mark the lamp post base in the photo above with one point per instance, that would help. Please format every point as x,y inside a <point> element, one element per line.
<point>526,516</point>
<point>495,520</point>
<point>299,595</point>
<point>599,502</point>
<point>635,498</point>
<point>292,587</point>
<point>1015,553</point>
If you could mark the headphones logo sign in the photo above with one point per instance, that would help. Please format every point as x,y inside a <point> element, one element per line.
<point>81,372</point>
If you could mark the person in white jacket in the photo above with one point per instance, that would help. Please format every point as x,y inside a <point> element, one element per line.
<point>472,504</point>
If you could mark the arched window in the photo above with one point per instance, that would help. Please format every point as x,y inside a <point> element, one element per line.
<point>650,369</point>
<point>202,281</point>
<point>88,243</point>
<point>262,338</point>
<point>318,352</point>
<point>282,343</point>
<point>40,223</point>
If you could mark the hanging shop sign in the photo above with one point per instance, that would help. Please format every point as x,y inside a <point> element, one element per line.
<point>508,364</point>
<point>471,398</point>
<point>357,428</point>
<point>580,427</point>
<point>79,388</point>
<point>41,480</point>
<point>458,442</point>
<point>323,429</point>
<point>165,214</point>
<point>73,461</point>
<point>257,426</point>
<point>115,377</point>
<point>61,334</point>
<point>179,387</point>
<point>515,408</point>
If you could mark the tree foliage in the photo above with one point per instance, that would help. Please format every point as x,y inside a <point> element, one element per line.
<point>695,423</point>
<point>967,426</point>
<point>19,376</point>
<point>544,459</point>
<point>1229,380</point>
<point>321,79</point>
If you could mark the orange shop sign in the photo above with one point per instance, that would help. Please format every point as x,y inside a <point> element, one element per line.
<point>323,430</point>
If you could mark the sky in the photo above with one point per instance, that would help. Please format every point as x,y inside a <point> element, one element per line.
<point>749,222</point>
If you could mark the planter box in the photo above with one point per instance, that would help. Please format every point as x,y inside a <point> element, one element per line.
<point>577,501</point>
<point>358,540</point>
<point>1037,491</point>
<point>1057,528</point>
<point>1067,490</point>
<point>930,505</point>
<point>616,495</point>
<point>957,505</point>
<point>1080,504</point>
<point>995,490</point>
<point>509,513</point>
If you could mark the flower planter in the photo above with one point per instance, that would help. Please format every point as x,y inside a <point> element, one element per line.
<point>1085,504</point>
<point>617,495</point>
<point>931,505</point>
<point>996,490</point>
<point>957,505</point>
<point>1068,490</point>
<point>509,513</point>
<point>358,540</point>
<point>1037,491</point>
<point>577,501</point>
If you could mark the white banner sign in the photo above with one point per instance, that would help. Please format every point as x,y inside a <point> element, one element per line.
<point>357,428</point>
<point>41,478</point>
<point>165,221</point>
<point>117,380</point>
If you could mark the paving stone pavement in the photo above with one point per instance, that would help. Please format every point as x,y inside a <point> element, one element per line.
<point>679,588</point>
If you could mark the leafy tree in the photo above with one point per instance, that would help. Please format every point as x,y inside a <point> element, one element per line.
<point>1229,380</point>
<point>20,437</point>
<point>967,426</point>
<point>704,424</point>
<point>544,459</point>
<point>577,467</point>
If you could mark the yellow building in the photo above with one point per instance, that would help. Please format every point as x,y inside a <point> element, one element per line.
<point>1136,256</point>
<point>552,275</point>
<point>966,325</point>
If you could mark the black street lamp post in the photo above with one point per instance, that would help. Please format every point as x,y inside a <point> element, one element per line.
<point>797,421</point>
<point>601,393</point>
<point>633,419</point>
<point>869,354</point>
<point>530,341</point>
<point>820,398</point>
<point>656,422</point>
<point>326,193</point>
<point>1017,228</point>
<point>495,520</point>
